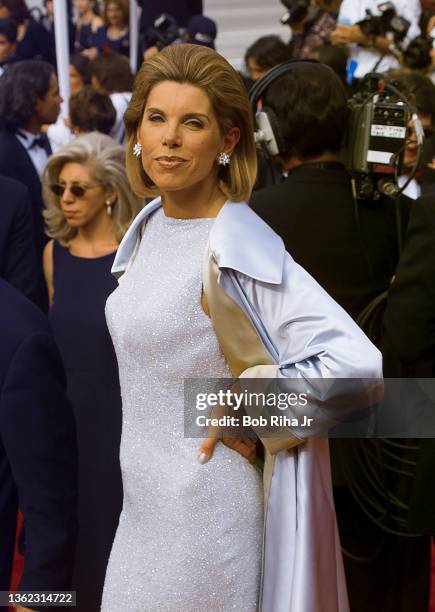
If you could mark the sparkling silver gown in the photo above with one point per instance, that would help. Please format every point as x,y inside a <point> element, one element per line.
<point>189,537</point>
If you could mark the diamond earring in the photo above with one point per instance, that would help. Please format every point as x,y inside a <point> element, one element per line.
<point>223,159</point>
<point>109,208</point>
<point>137,149</point>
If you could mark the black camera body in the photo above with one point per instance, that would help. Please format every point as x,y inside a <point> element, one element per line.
<point>164,32</point>
<point>387,22</point>
<point>297,10</point>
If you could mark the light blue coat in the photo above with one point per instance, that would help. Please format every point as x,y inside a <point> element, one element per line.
<point>307,335</point>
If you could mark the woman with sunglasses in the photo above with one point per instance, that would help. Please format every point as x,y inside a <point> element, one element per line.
<point>88,208</point>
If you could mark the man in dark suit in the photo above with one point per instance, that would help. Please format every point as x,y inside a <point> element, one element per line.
<point>29,98</point>
<point>408,340</point>
<point>17,247</point>
<point>38,461</point>
<point>409,317</point>
<point>349,248</point>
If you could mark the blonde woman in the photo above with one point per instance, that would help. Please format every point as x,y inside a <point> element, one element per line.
<point>190,535</point>
<point>88,207</point>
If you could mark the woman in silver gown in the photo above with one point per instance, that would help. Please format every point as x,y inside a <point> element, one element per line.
<point>190,532</point>
<point>189,536</point>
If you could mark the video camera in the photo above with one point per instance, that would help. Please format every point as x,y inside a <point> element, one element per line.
<point>164,32</point>
<point>296,11</point>
<point>377,136</point>
<point>388,22</point>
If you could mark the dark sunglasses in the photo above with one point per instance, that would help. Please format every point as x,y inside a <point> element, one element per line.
<point>78,191</point>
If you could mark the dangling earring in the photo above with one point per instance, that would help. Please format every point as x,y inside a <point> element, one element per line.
<point>109,208</point>
<point>137,149</point>
<point>223,159</point>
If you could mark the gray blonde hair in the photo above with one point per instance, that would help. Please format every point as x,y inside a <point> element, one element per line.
<point>206,69</point>
<point>105,159</point>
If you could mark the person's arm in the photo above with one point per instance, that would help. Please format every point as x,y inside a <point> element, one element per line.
<point>347,32</point>
<point>38,435</point>
<point>47,264</point>
<point>409,317</point>
<point>352,34</point>
<point>20,268</point>
<point>314,336</point>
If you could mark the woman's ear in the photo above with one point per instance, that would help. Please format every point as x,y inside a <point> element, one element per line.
<point>111,196</point>
<point>138,134</point>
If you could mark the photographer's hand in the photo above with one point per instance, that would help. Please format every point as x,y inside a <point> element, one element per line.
<point>348,34</point>
<point>352,34</point>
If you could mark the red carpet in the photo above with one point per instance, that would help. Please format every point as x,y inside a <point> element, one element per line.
<point>432,590</point>
<point>18,560</point>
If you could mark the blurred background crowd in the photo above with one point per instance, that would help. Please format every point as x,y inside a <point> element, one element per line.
<point>66,204</point>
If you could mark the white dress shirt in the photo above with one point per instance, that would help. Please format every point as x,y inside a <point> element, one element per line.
<point>37,154</point>
<point>413,190</point>
<point>352,11</point>
<point>120,101</point>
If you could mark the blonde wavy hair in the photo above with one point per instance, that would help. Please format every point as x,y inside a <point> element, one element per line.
<point>105,159</point>
<point>206,69</point>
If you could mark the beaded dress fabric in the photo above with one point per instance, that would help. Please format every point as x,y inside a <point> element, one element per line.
<point>190,535</point>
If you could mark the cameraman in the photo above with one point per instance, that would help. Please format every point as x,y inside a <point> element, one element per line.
<point>350,250</point>
<point>372,53</point>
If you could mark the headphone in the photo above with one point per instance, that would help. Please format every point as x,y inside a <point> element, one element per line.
<point>268,134</point>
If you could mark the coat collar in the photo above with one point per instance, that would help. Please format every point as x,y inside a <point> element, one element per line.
<point>239,240</point>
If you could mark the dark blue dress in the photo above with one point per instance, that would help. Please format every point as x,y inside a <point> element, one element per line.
<point>83,37</point>
<point>81,288</point>
<point>101,40</point>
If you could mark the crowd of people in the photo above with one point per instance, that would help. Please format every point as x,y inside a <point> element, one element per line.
<point>126,227</point>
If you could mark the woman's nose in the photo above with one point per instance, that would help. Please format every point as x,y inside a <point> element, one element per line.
<point>68,196</point>
<point>171,137</point>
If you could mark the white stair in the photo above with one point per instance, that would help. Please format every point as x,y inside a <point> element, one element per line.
<point>241,22</point>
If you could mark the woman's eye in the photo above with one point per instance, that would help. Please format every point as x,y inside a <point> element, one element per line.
<point>155,118</point>
<point>194,123</point>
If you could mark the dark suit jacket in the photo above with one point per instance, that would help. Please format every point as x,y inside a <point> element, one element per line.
<point>16,163</point>
<point>38,454</point>
<point>18,263</point>
<point>36,44</point>
<point>409,317</point>
<point>352,252</point>
<point>408,340</point>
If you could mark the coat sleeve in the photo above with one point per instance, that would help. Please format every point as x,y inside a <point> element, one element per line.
<point>319,350</point>
<point>19,267</point>
<point>38,434</point>
<point>314,337</point>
